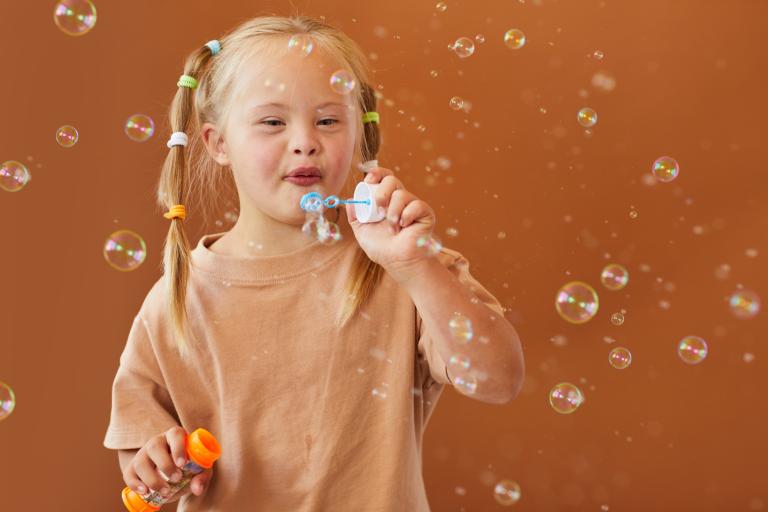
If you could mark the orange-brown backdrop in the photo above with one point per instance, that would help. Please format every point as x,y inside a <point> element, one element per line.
<point>534,202</point>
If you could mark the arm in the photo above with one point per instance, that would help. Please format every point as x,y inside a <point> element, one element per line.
<point>437,294</point>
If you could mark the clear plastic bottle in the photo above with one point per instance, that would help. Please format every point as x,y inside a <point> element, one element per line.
<point>202,451</point>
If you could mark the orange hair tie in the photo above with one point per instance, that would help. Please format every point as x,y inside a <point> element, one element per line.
<point>176,212</point>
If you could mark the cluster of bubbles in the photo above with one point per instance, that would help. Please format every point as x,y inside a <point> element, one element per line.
<point>459,364</point>
<point>75,17</point>
<point>464,47</point>
<point>125,250</point>
<point>7,400</point>
<point>315,223</point>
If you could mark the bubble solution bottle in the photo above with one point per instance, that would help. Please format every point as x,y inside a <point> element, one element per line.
<point>202,451</point>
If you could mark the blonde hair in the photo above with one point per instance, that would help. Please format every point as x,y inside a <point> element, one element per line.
<point>191,177</point>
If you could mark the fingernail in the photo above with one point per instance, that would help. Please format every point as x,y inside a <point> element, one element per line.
<point>402,222</point>
<point>180,462</point>
<point>141,489</point>
<point>175,477</point>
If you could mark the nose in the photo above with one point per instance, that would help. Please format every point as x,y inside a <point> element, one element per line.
<point>305,142</point>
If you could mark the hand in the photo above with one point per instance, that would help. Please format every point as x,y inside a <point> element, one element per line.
<point>392,243</point>
<point>164,452</point>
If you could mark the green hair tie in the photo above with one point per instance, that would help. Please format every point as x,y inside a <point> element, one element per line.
<point>371,117</point>
<point>187,81</point>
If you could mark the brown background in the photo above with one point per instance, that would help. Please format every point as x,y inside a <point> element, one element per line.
<point>690,83</point>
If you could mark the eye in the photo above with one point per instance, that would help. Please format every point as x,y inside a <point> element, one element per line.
<point>332,121</point>
<point>269,122</point>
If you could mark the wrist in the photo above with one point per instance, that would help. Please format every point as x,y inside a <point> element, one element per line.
<point>414,273</point>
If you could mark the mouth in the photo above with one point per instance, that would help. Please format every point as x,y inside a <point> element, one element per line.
<point>303,176</point>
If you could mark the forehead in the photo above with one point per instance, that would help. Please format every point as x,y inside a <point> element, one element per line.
<point>275,73</point>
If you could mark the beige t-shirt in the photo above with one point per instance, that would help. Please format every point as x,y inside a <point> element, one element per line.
<point>309,417</point>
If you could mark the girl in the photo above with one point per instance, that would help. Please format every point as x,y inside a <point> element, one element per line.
<point>315,365</point>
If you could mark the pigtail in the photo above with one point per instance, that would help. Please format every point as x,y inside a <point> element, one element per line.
<point>173,191</point>
<point>365,274</point>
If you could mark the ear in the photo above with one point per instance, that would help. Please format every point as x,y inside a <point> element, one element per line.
<point>215,144</point>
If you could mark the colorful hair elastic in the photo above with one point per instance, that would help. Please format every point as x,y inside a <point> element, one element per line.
<point>176,212</point>
<point>214,45</point>
<point>187,81</point>
<point>371,117</point>
<point>177,139</point>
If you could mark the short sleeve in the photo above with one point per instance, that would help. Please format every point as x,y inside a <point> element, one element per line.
<point>427,350</point>
<point>141,404</point>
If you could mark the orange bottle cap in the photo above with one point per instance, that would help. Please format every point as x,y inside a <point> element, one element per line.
<point>134,503</point>
<point>203,448</point>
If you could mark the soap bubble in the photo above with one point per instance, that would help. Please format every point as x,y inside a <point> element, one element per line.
<point>139,127</point>
<point>14,176</point>
<point>7,400</point>
<point>614,276</point>
<point>692,349</point>
<point>301,43</point>
<point>665,168</point>
<point>577,302</point>
<point>603,81</point>
<point>587,117</point>
<point>342,82</point>
<point>565,398</point>
<point>459,363</point>
<point>598,55</point>
<point>744,304</point>
<point>620,358</point>
<point>617,319</point>
<point>465,383</point>
<point>456,103</point>
<point>506,492</point>
<point>430,244</point>
<point>75,17</point>
<point>381,391</point>
<point>67,136</point>
<point>125,250</point>
<point>514,39</point>
<point>461,328</point>
<point>441,6</point>
<point>328,232</point>
<point>463,47</point>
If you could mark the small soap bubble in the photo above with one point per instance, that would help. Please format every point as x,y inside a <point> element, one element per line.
<point>441,6</point>
<point>342,82</point>
<point>139,127</point>
<point>461,328</point>
<point>456,103</point>
<point>381,391</point>
<point>587,117</point>
<point>692,349</point>
<point>421,128</point>
<point>565,398</point>
<point>614,276</point>
<point>723,271</point>
<point>665,169</point>
<point>514,39</point>
<point>744,304</point>
<point>125,250</point>
<point>480,38</point>
<point>620,358</point>
<point>7,400</point>
<point>452,232</point>
<point>75,17</point>
<point>506,492</point>
<point>14,176</point>
<point>633,214</point>
<point>598,55</point>
<point>577,302</point>
<point>301,43</point>
<point>433,73</point>
<point>67,136</point>
<point>617,319</point>
<point>463,47</point>
<point>603,81</point>
<point>430,244</point>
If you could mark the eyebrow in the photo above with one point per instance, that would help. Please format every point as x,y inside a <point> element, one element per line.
<point>283,105</point>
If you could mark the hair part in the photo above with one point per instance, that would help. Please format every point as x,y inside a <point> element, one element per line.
<point>196,180</point>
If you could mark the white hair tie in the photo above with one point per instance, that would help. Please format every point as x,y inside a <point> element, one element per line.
<point>368,165</point>
<point>178,139</point>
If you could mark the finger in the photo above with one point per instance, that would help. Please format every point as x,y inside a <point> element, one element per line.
<point>376,174</point>
<point>199,483</point>
<point>133,481</point>
<point>176,438</point>
<point>351,216</point>
<point>400,198</point>
<point>149,475</point>
<point>416,211</point>
<point>159,452</point>
<point>384,191</point>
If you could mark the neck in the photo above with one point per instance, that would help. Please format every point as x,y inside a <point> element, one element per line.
<point>257,234</point>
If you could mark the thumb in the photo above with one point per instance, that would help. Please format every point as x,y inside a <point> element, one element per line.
<point>199,482</point>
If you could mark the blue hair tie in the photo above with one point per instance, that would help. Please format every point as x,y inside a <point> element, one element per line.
<point>214,45</point>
